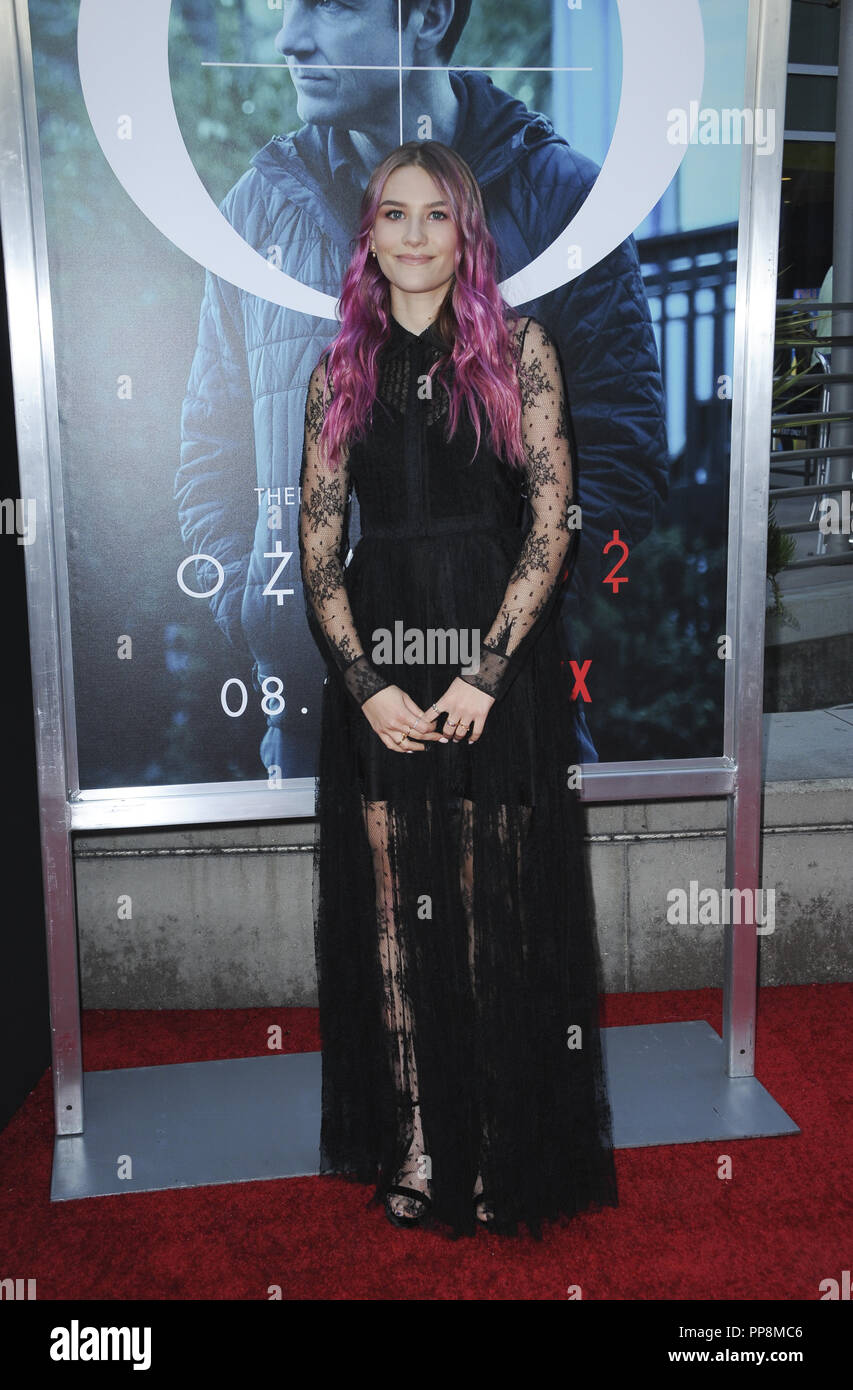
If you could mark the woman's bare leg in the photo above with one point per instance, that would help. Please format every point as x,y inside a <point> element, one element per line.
<point>466,880</point>
<point>396,1005</point>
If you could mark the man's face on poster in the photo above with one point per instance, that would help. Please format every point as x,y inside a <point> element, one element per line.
<point>352,33</point>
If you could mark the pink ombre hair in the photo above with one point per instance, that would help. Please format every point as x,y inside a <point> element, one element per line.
<point>480,372</point>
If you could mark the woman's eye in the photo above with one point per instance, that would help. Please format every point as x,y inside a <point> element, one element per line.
<point>436,212</point>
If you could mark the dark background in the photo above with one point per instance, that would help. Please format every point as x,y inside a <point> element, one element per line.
<point>24,1022</point>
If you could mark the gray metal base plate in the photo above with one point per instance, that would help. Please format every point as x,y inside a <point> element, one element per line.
<point>196,1124</point>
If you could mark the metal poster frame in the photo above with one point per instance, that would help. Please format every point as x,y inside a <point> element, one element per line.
<point>735,775</point>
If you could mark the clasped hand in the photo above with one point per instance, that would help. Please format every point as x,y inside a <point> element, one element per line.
<point>405,728</point>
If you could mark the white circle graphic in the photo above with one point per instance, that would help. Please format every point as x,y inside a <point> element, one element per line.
<point>196,593</point>
<point>123,58</point>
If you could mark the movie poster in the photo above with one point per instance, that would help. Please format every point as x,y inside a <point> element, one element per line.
<point>203,163</point>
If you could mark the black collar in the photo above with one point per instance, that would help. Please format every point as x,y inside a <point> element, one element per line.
<point>402,337</point>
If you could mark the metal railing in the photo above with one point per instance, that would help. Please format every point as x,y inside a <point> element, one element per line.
<point>689,279</point>
<point>809,381</point>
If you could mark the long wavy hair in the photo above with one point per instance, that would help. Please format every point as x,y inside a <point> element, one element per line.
<point>479,368</point>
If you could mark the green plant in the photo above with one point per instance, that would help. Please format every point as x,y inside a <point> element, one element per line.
<point>780,552</point>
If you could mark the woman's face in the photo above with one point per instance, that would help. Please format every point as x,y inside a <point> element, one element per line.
<point>414,232</point>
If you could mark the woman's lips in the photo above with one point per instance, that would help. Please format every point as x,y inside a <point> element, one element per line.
<point>414,260</point>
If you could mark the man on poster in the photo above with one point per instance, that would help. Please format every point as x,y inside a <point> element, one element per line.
<point>298,205</point>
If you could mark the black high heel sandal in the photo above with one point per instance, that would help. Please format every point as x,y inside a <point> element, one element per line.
<point>410,1193</point>
<point>397,1218</point>
<point>482,1199</point>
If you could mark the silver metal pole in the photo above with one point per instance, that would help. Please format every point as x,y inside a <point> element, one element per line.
<point>840,470</point>
<point>758,240</point>
<point>33,383</point>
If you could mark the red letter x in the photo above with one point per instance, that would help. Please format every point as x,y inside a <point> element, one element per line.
<point>580,680</point>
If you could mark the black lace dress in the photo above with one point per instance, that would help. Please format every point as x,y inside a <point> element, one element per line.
<point>456,958</point>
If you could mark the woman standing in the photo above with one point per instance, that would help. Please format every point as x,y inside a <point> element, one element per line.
<point>457,973</point>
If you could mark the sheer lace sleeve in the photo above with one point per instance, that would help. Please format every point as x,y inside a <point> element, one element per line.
<point>322,508</point>
<point>535,581</point>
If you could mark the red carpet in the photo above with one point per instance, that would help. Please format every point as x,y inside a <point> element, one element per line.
<point>778,1228</point>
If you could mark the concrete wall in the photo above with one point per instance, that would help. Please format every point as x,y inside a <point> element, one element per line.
<point>221,916</point>
<point>808,654</point>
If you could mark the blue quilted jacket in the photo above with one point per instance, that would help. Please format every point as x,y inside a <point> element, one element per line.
<point>243,414</point>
